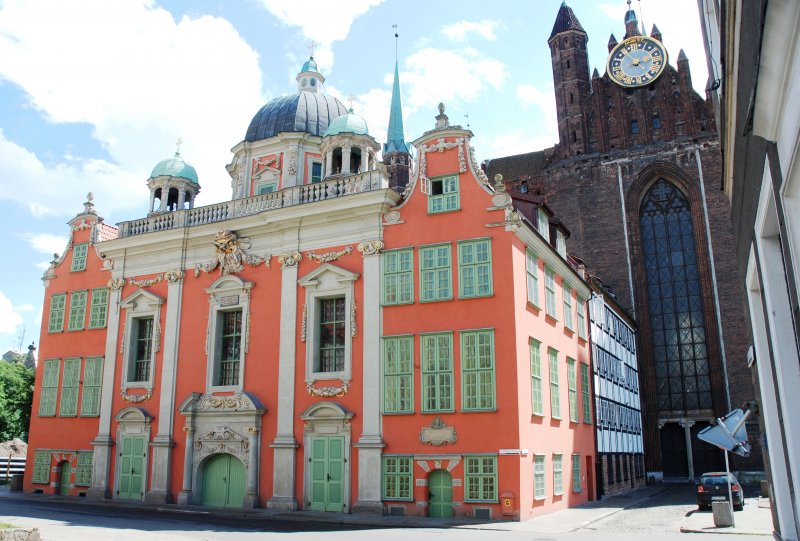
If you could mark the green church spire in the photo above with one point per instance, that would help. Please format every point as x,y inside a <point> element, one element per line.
<point>394,137</point>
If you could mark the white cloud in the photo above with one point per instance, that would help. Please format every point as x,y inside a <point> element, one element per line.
<point>46,243</point>
<point>141,80</point>
<point>373,105</point>
<point>546,102</point>
<point>42,265</point>
<point>458,31</point>
<point>10,318</point>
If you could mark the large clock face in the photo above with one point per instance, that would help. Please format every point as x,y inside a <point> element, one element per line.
<point>637,61</point>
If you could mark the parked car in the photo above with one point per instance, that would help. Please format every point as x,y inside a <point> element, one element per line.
<point>713,487</point>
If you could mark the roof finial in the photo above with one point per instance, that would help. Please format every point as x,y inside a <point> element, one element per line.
<point>313,44</point>
<point>350,98</point>
<point>396,35</point>
<point>178,144</point>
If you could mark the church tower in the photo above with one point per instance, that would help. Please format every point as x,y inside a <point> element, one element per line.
<point>396,154</point>
<point>571,80</point>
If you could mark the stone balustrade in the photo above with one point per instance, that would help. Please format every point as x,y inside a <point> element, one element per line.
<point>288,197</point>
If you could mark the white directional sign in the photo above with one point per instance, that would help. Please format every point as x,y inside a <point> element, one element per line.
<point>729,433</point>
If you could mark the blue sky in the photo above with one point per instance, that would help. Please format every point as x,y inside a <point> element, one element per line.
<point>94,93</point>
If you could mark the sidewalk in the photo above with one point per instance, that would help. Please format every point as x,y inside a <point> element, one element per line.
<point>754,519</point>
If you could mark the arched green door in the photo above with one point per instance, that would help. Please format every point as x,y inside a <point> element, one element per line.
<point>223,482</point>
<point>66,473</point>
<point>440,490</point>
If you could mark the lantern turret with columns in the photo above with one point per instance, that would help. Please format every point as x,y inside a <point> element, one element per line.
<point>174,184</point>
<point>347,147</point>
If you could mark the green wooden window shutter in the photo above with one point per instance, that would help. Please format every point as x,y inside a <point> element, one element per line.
<point>49,394</point>
<point>572,384</point>
<point>92,383</point>
<point>477,371</point>
<point>99,311</point>
<point>555,402</point>
<point>398,277</point>
<point>480,474</point>
<point>587,404</point>
<point>77,310</point>
<point>443,194</point>
<point>57,305</point>
<point>475,268</point>
<point>41,467</point>
<point>69,387</point>
<point>539,491</point>
<point>83,474</point>
<point>79,257</point>
<point>550,293</point>
<point>398,374</point>
<point>537,402</point>
<point>581,318</point>
<point>437,372</point>
<point>532,271</point>
<point>397,477</point>
<point>558,474</point>
<point>435,273</point>
<point>576,473</point>
<point>567,293</point>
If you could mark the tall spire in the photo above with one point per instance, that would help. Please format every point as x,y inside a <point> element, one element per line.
<point>394,138</point>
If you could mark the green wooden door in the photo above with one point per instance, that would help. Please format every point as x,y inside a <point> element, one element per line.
<point>66,473</point>
<point>440,489</point>
<point>224,482</point>
<point>131,468</point>
<point>327,474</point>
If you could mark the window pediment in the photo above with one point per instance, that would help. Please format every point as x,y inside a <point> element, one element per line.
<point>326,277</point>
<point>141,300</point>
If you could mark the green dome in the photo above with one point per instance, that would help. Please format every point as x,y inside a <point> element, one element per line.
<point>310,65</point>
<point>175,167</point>
<point>349,123</point>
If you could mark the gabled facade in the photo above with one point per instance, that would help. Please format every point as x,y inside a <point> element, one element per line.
<point>330,345</point>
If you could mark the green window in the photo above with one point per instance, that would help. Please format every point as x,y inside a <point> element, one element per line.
<point>316,172</point>
<point>41,467</point>
<point>398,374</point>
<point>79,257</point>
<point>555,402</point>
<point>57,305</point>
<point>587,407</point>
<point>581,318</point>
<point>539,492</point>
<point>532,271</point>
<point>536,378</point>
<point>92,383</point>
<point>142,349</point>
<point>331,335</point>
<point>567,293</point>
<point>572,384</point>
<point>98,313</point>
<point>576,473</point>
<point>77,310</point>
<point>398,277</point>
<point>397,477</point>
<point>83,474</point>
<point>443,194</point>
<point>69,387</point>
<point>475,268</point>
<point>437,372</point>
<point>558,475</point>
<point>550,293</point>
<point>230,347</point>
<point>477,371</point>
<point>49,394</point>
<point>480,478</point>
<point>435,273</point>
<point>268,187</point>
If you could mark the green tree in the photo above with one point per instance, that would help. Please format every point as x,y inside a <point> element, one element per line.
<point>16,396</point>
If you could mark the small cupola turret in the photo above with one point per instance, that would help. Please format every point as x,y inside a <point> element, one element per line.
<point>310,79</point>
<point>174,183</point>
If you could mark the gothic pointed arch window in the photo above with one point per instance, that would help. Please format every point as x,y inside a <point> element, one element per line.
<point>675,302</point>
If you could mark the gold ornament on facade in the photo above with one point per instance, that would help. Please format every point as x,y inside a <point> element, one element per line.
<point>330,256</point>
<point>115,284</point>
<point>147,282</point>
<point>136,398</point>
<point>329,391</point>
<point>289,260</point>
<point>231,255</point>
<point>370,247</point>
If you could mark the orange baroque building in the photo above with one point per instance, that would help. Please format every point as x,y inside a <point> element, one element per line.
<point>343,335</point>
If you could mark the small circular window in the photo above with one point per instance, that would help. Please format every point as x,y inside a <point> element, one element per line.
<point>313,82</point>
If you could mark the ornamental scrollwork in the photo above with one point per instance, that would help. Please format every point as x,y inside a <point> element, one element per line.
<point>289,260</point>
<point>481,175</point>
<point>304,324</point>
<point>231,255</point>
<point>329,391</point>
<point>440,146</point>
<point>173,276</point>
<point>353,318</point>
<point>370,247</point>
<point>147,282</point>
<point>115,284</point>
<point>236,401</point>
<point>330,256</point>
<point>136,398</point>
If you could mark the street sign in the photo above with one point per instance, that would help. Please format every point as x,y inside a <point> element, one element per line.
<point>729,433</point>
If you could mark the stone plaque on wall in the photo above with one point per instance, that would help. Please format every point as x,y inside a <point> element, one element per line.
<point>437,434</point>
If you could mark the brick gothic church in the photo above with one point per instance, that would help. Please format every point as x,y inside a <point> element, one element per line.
<point>635,176</point>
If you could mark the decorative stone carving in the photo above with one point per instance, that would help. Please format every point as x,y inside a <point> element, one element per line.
<point>147,282</point>
<point>353,318</point>
<point>174,276</point>
<point>476,167</point>
<point>392,217</point>
<point>260,164</point>
<point>115,284</point>
<point>108,264</point>
<point>328,391</point>
<point>371,247</point>
<point>231,255</point>
<point>232,402</point>
<point>80,226</point>
<point>222,439</point>
<point>292,160</point>
<point>438,433</point>
<point>289,260</point>
<point>440,146</point>
<point>424,465</point>
<point>136,398</point>
<point>330,256</point>
<point>304,324</point>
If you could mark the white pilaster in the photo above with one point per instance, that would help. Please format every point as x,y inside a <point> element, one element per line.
<point>185,495</point>
<point>251,496</point>
<point>328,164</point>
<point>346,160</point>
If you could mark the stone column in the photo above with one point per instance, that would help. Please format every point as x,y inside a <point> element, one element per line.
<point>365,159</point>
<point>251,496</point>
<point>162,444</point>
<point>101,458</point>
<point>185,495</point>
<point>164,198</point>
<point>328,164</point>
<point>284,444</point>
<point>346,160</point>
<point>370,443</point>
<point>152,199</point>
<point>687,431</point>
<point>181,198</point>
<point>191,201</point>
